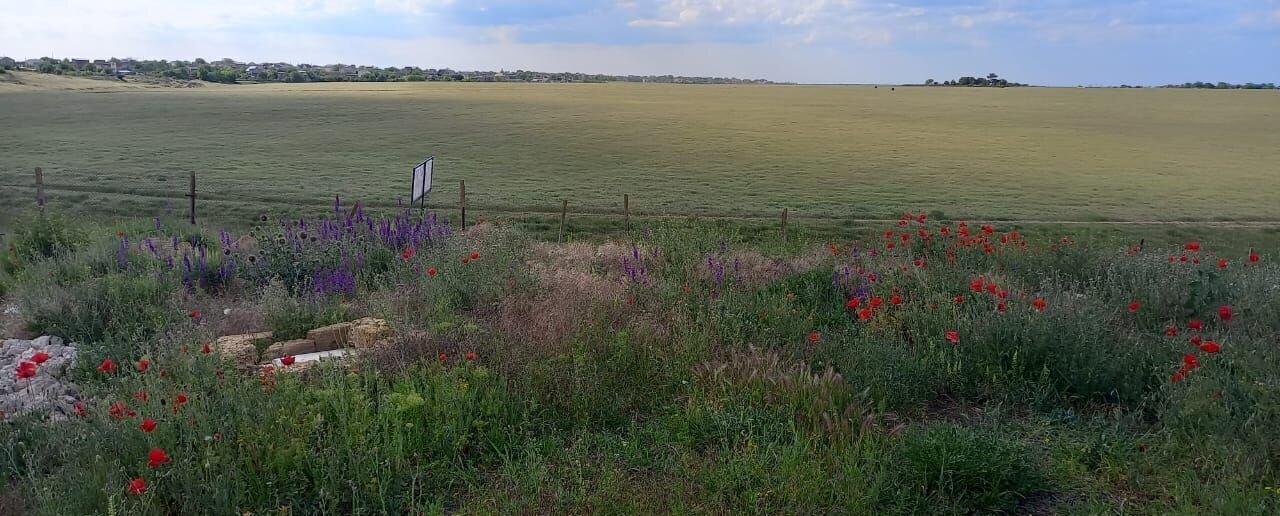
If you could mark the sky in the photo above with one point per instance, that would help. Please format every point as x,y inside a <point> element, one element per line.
<point>1050,42</point>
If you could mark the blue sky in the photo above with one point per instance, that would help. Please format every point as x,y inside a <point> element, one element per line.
<point>1062,42</point>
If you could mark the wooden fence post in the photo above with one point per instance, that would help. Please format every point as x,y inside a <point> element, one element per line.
<point>40,188</point>
<point>564,211</point>
<point>626,210</point>
<point>192,195</point>
<point>784,224</point>
<point>462,201</point>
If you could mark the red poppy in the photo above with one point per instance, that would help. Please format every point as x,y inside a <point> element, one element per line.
<point>1195,339</point>
<point>923,217</point>
<point>814,337</point>
<point>953,337</point>
<point>976,285</point>
<point>1003,294</point>
<point>141,396</point>
<point>26,370</point>
<point>896,300</point>
<point>1039,304</point>
<point>39,357</point>
<point>1195,325</point>
<point>988,229</point>
<point>853,303</point>
<point>148,425</point>
<point>1190,361</point>
<point>1224,313</point>
<point>1179,375</point>
<point>1171,331</point>
<point>156,457</point>
<point>206,349</point>
<point>1001,306</point>
<point>107,367</point>
<point>1222,263</point>
<point>1182,258</point>
<point>1192,246</point>
<point>475,255</point>
<point>431,271</point>
<point>180,399</point>
<point>472,355</point>
<point>944,230</point>
<point>1253,256</point>
<point>992,288</point>
<point>466,260</point>
<point>1210,347</point>
<point>959,299</point>
<point>78,407</point>
<point>876,302</point>
<point>888,233</point>
<point>889,246</point>
<point>407,254</point>
<point>195,314</point>
<point>118,410</point>
<point>443,357</point>
<point>289,360</point>
<point>865,314</point>
<point>1134,306</point>
<point>143,365</point>
<point>137,486</point>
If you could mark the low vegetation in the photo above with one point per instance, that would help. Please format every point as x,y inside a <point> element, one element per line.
<point>931,367</point>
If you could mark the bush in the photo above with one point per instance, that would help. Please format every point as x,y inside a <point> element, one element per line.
<point>41,236</point>
<point>289,317</point>
<point>122,309</point>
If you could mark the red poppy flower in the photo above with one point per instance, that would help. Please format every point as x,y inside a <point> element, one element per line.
<point>407,254</point>
<point>1001,306</point>
<point>1171,331</point>
<point>953,337</point>
<point>944,230</point>
<point>876,302</point>
<point>923,217</point>
<point>39,357</point>
<point>988,229</point>
<point>1192,246</point>
<point>156,457</point>
<point>992,288</point>
<point>443,357</point>
<point>195,314</point>
<point>888,233</point>
<point>148,425</point>
<point>180,399</point>
<point>814,337</point>
<point>475,255</point>
<point>1195,325</point>
<point>1003,294</point>
<point>1179,375</point>
<point>853,303</point>
<point>1253,256</point>
<point>896,300</point>
<point>959,299</point>
<point>137,486</point>
<point>206,349</point>
<point>1222,263</point>
<point>26,370</point>
<point>865,314</point>
<point>466,260</point>
<point>107,367</point>
<point>1190,361</point>
<point>118,410</point>
<point>472,355</point>
<point>1182,258</point>
<point>78,408</point>
<point>431,271</point>
<point>1195,339</point>
<point>289,360</point>
<point>1134,306</point>
<point>1039,304</point>
<point>141,396</point>
<point>1224,313</point>
<point>1210,347</point>
<point>143,365</point>
<point>976,285</point>
<point>889,246</point>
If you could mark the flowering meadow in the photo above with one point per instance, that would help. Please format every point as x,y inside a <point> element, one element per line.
<point>928,367</point>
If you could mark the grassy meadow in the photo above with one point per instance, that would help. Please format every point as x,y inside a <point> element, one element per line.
<point>747,151</point>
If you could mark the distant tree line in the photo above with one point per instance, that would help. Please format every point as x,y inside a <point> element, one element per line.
<point>990,81</point>
<point>231,71</point>
<point>1224,86</point>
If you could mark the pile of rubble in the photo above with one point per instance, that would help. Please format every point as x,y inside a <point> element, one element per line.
<point>335,341</point>
<point>31,378</point>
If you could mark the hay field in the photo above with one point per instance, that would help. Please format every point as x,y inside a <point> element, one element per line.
<point>822,151</point>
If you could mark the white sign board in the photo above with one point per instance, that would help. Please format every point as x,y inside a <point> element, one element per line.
<point>422,179</point>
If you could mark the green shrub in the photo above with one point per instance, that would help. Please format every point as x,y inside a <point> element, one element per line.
<point>290,317</point>
<point>127,309</point>
<point>41,236</point>
<point>967,469</point>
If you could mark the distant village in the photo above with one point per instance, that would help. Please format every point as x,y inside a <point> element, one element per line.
<point>231,71</point>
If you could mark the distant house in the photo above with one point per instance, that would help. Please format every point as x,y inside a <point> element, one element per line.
<point>7,62</point>
<point>80,63</point>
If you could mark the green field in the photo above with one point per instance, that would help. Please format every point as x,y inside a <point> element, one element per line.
<point>822,151</point>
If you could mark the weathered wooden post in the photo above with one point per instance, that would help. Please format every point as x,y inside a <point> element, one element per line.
<point>784,224</point>
<point>626,210</point>
<point>564,211</point>
<point>192,195</point>
<point>40,188</point>
<point>462,201</point>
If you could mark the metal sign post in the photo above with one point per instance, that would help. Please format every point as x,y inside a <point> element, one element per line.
<point>421,183</point>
